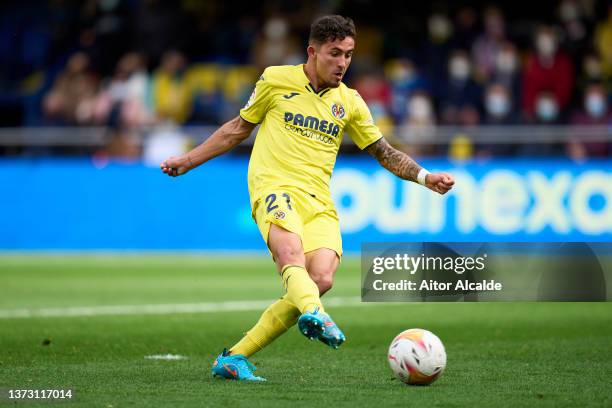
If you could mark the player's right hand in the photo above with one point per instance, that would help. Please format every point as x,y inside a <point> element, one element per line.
<point>439,182</point>
<point>176,166</point>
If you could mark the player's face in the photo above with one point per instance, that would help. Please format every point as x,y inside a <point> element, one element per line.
<point>332,59</point>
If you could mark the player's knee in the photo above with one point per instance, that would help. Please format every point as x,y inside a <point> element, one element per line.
<point>324,284</point>
<point>323,279</point>
<point>287,254</point>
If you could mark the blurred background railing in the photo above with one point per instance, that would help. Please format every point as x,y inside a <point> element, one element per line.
<point>98,136</point>
<point>458,142</point>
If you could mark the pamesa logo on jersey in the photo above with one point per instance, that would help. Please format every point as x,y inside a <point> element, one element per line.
<point>337,110</point>
<point>311,122</point>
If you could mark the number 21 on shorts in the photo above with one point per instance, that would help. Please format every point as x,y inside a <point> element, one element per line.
<point>271,203</point>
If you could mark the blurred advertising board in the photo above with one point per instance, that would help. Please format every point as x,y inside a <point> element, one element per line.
<point>83,204</point>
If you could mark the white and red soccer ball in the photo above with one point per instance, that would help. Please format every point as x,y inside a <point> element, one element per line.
<point>417,357</point>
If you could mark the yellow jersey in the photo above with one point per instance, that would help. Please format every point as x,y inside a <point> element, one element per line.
<point>301,130</point>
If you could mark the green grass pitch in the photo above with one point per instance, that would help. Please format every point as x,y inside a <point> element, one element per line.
<point>499,354</point>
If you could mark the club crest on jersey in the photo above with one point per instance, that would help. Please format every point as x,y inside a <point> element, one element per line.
<point>279,215</point>
<point>338,110</point>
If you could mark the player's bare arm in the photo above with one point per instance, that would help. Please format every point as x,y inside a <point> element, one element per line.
<point>405,167</point>
<point>221,141</point>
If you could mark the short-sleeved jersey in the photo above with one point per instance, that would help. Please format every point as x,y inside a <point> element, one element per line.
<point>301,130</point>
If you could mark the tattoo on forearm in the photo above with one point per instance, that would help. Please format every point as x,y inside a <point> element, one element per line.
<point>396,162</point>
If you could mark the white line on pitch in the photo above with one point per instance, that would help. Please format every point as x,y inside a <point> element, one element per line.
<point>161,309</point>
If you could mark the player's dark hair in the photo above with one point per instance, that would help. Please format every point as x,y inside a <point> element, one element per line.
<point>331,28</point>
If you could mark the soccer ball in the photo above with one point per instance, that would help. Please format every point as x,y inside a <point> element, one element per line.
<point>417,357</point>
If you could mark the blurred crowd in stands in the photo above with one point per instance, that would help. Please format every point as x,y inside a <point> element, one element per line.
<point>128,63</point>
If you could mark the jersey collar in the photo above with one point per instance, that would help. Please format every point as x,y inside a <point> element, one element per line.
<point>309,87</point>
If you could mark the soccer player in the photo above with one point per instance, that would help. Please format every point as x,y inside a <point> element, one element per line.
<point>303,112</point>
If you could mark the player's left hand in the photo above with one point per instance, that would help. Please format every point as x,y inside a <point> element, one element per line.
<point>439,182</point>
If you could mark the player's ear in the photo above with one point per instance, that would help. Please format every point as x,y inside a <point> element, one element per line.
<point>311,50</point>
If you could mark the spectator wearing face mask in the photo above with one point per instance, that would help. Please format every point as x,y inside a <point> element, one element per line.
<point>507,73</point>
<point>498,106</point>
<point>594,111</point>
<point>498,111</point>
<point>405,80</point>
<point>547,109</point>
<point>419,125</point>
<point>547,112</point>
<point>420,110</point>
<point>547,69</point>
<point>488,45</point>
<point>460,92</point>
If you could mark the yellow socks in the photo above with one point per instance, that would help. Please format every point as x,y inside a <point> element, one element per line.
<point>301,290</point>
<point>302,295</point>
<point>274,321</point>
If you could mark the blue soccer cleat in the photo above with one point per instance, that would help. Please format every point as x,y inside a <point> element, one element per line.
<point>318,325</point>
<point>234,367</point>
